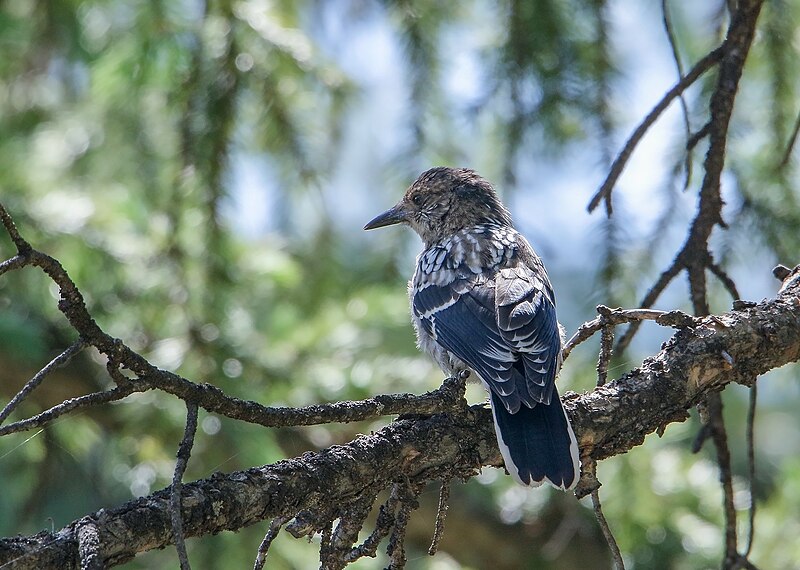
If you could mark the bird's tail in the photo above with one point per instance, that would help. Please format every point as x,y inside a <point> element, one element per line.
<point>537,443</point>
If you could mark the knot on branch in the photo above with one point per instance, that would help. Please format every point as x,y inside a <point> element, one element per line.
<point>677,320</point>
<point>454,388</point>
<point>786,276</point>
<point>308,523</point>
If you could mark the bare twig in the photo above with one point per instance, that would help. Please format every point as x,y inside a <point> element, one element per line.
<point>350,524</point>
<point>787,154</point>
<point>751,467</point>
<point>619,316</point>
<point>16,262</point>
<point>616,555</point>
<point>706,63</point>
<point>604,356</point>
<point>209,397</point>
<point>649,299</point>
<point>184,452</point>
<point>676,319</point>
<point>93,399</point>
<point>383,526</point>
<point>396,547</point>
<point>441,514</point>
<point>263,548</point>
<point>59,361</point>
<point>673,44</point>
<point>726,280</point>
<point>695,254</point>
<point>719,436</point>
<point>693,140</point>
<point>212,399</point>
<point>23,247</point>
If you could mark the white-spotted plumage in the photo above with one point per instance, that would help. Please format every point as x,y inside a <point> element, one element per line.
<point>481,300</point>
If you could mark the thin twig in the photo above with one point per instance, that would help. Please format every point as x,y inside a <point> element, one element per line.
<point>383,526</point>
<point>351,523</point>
<point>207,396</point>
<point>726,280</point>
<point>263,548</point>
<point>693,140</point>
<point>445,398</point>
<point>702,434</point>
<point>696,275</point>
<point>59,361</point>
<point>396,546</point>
<point>23,247</point>
<point>699,69</point>
<point>694,254</point>
<point>719,436</point>
<point>676,319</point>
<point>751,466</point>
<point>787,154</point>
<point>16,262</point>
<point>587,329</point>
<point>441,514</point>
<point>649,299</point>
<point>604,355</point>
<point>184,452</point>
<point>616,555</point>
<point>673,44</point>
<point>67,406</point>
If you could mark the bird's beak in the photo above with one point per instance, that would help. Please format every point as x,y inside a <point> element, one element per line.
<point>395,215</point>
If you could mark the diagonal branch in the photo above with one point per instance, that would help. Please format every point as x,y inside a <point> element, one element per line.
<point>604,193</point>
<point>673,44</point>
<point>59,361</point>
<point>694,255</point>
<point>449,396</point>
<point>608,421</point>
<point>184,452</point>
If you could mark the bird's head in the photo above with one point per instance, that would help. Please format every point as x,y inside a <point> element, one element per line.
<point>443,201</point>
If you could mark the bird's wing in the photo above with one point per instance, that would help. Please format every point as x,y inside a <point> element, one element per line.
<point>503,327</point>
<point>526,318</point>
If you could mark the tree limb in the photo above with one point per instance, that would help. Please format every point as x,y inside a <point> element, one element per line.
<point>734,347</point>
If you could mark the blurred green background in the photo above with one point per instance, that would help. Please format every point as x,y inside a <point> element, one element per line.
<point>203,169</point>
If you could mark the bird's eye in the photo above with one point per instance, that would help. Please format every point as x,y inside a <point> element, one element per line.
<point>417,199</point>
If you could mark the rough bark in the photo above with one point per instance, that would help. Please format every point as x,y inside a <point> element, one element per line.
<point>316,487</point>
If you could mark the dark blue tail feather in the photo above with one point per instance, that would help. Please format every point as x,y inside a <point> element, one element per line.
<point>537,443</point>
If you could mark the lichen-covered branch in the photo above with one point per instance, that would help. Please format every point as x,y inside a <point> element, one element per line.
<point>610,420</point>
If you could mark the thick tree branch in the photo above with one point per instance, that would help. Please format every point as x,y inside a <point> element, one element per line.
<point>733,347</point>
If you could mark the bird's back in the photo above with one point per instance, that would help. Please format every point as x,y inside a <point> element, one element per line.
<point>483,295</point>
<point>481,300</point>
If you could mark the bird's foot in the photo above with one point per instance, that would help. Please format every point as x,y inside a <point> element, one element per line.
<point>455,387</point>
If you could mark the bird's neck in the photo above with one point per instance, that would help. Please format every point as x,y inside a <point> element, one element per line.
<point>475,249</point>
<point>472,236</point>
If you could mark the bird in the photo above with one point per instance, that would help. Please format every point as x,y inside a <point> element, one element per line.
<point>481,302</point>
